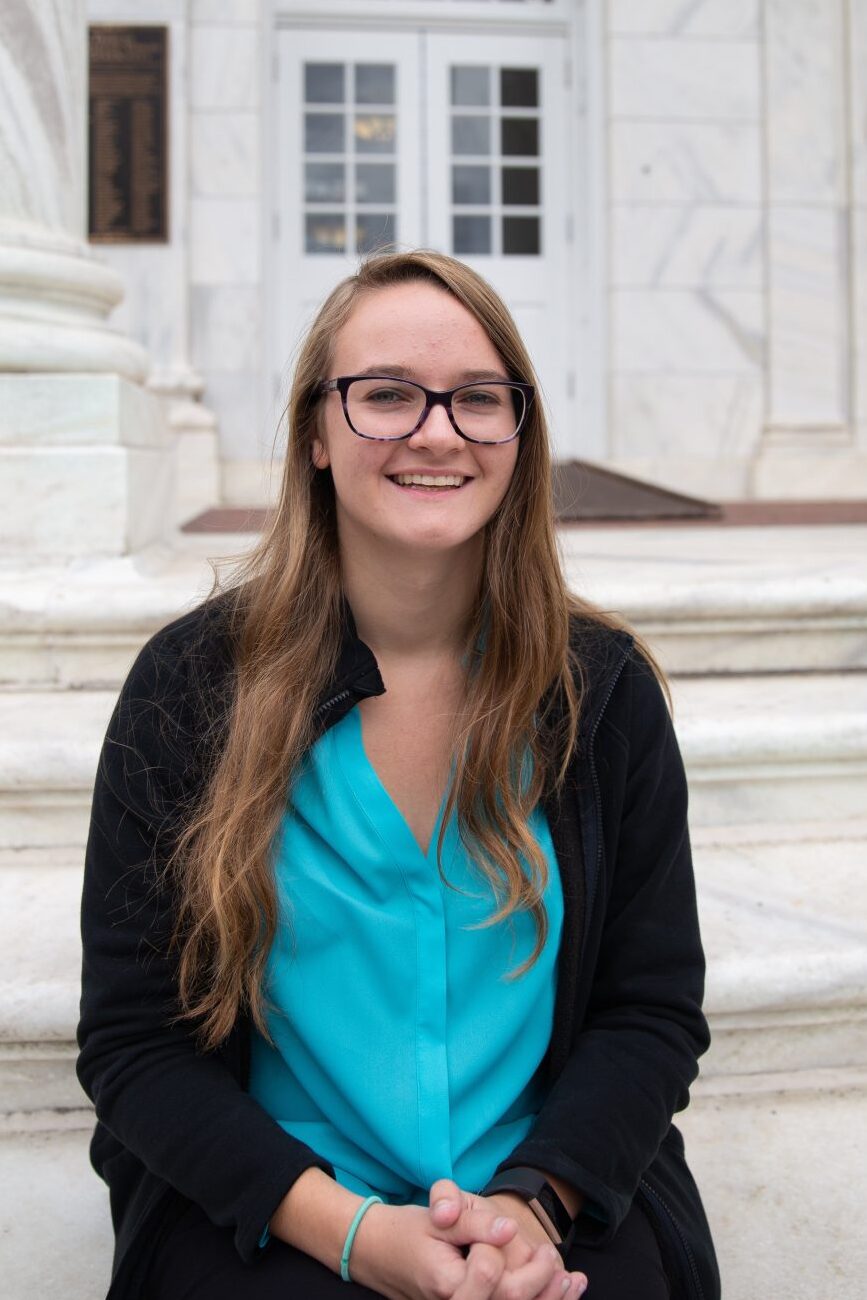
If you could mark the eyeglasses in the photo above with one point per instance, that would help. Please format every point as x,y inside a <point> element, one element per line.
<point>385,409</point>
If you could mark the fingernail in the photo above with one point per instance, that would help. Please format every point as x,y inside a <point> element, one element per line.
<point>501,1223</point>
<point>567,1282</point>
<point>444,1204</point>
<point>582,1287</point>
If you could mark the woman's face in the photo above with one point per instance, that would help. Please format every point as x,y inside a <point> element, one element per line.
<point>420,332</point>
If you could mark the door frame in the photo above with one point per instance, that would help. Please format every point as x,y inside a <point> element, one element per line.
<point>583,24</point>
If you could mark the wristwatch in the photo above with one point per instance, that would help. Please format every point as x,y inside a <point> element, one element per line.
<point>533,1187</point>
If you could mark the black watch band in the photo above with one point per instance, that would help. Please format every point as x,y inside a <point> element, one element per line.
<point>534,1188</point>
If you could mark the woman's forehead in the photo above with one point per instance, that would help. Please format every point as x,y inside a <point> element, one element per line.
<point>402,321</point>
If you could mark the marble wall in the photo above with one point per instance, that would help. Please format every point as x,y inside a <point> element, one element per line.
<point>686,264</point>
<point>227,219</point>
<point>733,326</point>
<point>857,69</point>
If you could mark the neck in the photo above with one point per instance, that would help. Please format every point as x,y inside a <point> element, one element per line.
<point>411,604</point>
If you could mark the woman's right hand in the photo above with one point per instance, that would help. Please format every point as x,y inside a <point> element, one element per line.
<point>399,1252</point>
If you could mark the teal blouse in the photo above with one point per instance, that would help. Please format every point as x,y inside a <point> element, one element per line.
<point>400,1054</point>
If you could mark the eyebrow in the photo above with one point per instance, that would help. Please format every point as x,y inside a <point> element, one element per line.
<point>404,372</point>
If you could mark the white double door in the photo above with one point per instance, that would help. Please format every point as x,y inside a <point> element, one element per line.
<point>458,142</point>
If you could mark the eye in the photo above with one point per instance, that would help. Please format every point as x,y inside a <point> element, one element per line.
<point>385,396</point>
<point>481,398</point>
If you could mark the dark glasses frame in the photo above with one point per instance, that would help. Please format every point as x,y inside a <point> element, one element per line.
<point>433,397</point>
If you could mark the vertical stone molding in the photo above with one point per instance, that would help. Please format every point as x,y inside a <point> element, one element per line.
<point>157,308</point>
<point>54,296</point>
<point>858,155</point>
<point>85,463</point>
<point>807,444</point>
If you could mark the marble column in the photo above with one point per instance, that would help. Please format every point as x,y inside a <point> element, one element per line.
<point>157,276</point>
<point>85,458</point>
<point>858,155</point>
<point>808,447</point>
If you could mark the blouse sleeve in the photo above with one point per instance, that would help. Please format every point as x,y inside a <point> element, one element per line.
<point>180,1111</point>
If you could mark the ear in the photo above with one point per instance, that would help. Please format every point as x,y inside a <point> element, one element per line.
<point>319,454</point>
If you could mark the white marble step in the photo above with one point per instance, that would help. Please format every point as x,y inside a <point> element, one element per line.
<point>782,1098</point>
<point>56,1237</point>
<point>784,922</point>
<point>718,600</point>
<point>761,748</point>
<point>811,1147</point>
<point>731,600</point>
<point>774,748</point>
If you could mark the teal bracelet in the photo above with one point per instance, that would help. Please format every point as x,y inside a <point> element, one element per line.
<point>350,1236</point>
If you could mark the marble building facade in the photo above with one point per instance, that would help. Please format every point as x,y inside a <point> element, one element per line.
<point>698,298</point>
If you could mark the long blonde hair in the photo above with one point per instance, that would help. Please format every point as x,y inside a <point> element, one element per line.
<point>286,618</point>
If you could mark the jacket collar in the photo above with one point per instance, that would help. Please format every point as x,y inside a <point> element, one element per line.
<point>601,651</point>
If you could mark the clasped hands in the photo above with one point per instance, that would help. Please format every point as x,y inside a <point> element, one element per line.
<point>461,1247</point>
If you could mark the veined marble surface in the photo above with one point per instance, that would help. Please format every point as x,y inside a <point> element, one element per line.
<point>675,246</point>
<point>666,411</point>
<point>42,94</point>
<point>805,87</point>
<point>727,19</point>
<point>658,78</point>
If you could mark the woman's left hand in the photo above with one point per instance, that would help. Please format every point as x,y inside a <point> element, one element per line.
<point>447,1200</point>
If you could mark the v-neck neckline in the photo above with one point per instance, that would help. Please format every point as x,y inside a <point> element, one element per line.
<point>379,805</point>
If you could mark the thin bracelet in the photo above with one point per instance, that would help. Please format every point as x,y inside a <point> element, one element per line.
<point>350,1236</point>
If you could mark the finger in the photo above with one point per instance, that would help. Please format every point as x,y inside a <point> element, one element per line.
<point>485,1267</point>
<point>478,1222</point>
<point>445,1200</point>
<point>562,1286</point>
<point>569,1287</point>
<point>540,1278</point>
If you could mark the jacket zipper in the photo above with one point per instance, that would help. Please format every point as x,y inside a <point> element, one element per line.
<point>651,1194</point>
<point>597,793</point>
<point>329,704</point>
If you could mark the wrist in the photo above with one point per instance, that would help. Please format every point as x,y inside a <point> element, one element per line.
<point>315,1216</point>
<point>375,1237</point>
<point>553,1202</point>
<point>509,1203</point>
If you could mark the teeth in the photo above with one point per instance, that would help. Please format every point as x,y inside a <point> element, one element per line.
<point>429,480</point>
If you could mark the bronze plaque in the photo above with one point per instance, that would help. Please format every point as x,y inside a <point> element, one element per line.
<point>128,165</point>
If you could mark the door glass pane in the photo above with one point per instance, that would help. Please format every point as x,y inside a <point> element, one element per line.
<point>471,135</point>
<point>324,182</point>
<point>521,235</point>
<point>471,234</point>
<point>521,185</point>
<point>520,135</point>
<point>519,87</point>
<point>375,182</point>
<point>471,185</point>
<point>509,129</point>
<point>347,135</point>
<point>323,83</point>
<point>374,132</point>
<point>323,133</point>
<point>374,230</point>
<point>471,86</point>
<point>325,232</point>
<point>374,83</point>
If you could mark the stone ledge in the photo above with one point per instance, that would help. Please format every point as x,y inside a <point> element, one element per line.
<point>756,748</point>
<point>784,927</point>
<point>757,600</point>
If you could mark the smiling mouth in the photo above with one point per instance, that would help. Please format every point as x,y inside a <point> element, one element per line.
<point>429,482</point>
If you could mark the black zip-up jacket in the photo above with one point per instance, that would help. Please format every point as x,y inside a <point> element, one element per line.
<point>176,1124</point>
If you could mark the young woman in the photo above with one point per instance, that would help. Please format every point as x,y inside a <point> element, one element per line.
<point>392,973</point>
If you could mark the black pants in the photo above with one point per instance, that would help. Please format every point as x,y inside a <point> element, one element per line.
<point>197,1261</point>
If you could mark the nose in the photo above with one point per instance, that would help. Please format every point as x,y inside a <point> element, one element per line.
<point>436,430</point>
